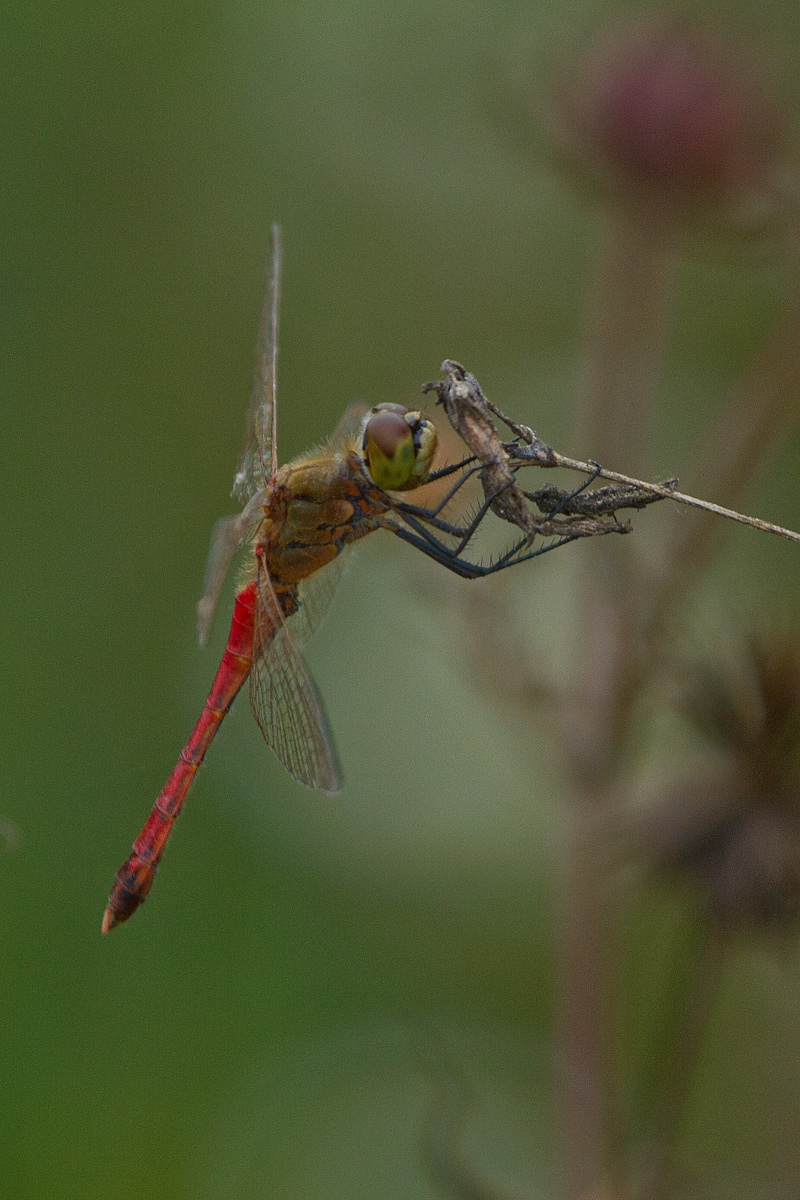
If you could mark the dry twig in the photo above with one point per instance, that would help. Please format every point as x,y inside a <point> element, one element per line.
<point>468,411</point>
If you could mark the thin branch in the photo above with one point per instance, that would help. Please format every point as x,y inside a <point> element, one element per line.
<point>468,410</point>
<point>573,464</point>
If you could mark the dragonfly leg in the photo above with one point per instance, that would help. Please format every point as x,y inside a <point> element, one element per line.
<point>418,517</point>
<point>586,484</point>
<point>431,514</point>
<point>443,472</point>
<point>412,513</point>
<point>469,570</point>
<point>419,523</point>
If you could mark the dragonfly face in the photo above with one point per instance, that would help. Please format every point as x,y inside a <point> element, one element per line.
<point>398,447</point>
<point>322,502</point>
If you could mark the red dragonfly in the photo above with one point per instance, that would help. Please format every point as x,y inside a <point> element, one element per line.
<point>295,523</point>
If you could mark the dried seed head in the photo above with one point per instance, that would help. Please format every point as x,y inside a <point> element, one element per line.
<point>747,704</point>
<point>665,114</point>
<point>754,876</point>
<point>739,852</point>
<point>470,415</point>
<point>733,828</point>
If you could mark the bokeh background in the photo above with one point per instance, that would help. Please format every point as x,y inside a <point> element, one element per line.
<point>247,1034</point>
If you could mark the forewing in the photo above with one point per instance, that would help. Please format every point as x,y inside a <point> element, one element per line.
<point>350,424</point>
<point>285,701</point>
<point>315,595</point>
<point>227,536</point>
<point>224,544</point>
<point>259,458</point>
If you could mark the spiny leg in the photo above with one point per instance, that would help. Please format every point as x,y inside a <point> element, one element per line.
<point>450,557</point>
<point>418,525</point>
<point>469,570</point>
<point>431,515</point>
<point>417,517</point>
<point>443,472</point>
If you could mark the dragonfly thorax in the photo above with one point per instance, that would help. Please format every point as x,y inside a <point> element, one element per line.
<point>398,446</point>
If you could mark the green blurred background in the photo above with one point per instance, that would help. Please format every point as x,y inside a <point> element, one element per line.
<point>247,1034</point>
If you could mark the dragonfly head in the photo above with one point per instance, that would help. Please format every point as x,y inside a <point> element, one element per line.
<point>398,447</point>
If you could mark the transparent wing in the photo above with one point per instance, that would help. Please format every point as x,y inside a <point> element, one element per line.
<point>259,458</point>
<point>349,424</point>
<point>227,536</point>
<point>284,698</point>
<point>315,595</point>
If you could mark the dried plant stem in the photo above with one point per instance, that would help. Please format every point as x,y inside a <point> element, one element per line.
<point>574,464</point>
<point>757,416</point>
<point>730,453</point>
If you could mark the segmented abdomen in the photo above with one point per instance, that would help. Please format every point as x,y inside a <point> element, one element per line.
<point>135,877</point>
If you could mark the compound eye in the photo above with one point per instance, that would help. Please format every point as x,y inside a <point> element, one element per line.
<point>387,407</point>
<point>389,447</point>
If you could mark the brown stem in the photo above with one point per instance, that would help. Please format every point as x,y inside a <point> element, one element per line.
<point>624,339</point>
<point>691,995</point>
<point>670,493</point>
<point>624,334</point>
<point>586,1063</point>
<point>447,1164</point>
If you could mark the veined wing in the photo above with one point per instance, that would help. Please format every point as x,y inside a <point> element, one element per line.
<point>230,533</point>
<point>349,425</point>
<point>259,459</point>
<point>227,536</point>
<point>315,595</point>
<point>284,698</point>
<point>254,472</point>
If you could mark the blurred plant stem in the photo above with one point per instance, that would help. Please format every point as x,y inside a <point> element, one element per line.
<point>682,1021</point>
<point>448,1164</point>
<point>624,335</point>
<point>588,1081</point>
<point>624,339</point>
<point>623,345</point>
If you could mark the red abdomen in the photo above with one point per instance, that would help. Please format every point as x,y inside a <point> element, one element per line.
<point>135,877</point>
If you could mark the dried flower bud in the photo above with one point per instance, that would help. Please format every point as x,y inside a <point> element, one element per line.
<point>668,115</point>
<point>733,828</point>
<point>470,414</point>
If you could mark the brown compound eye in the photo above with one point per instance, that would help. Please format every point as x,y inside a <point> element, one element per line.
<point>389,447</point>
<point>388,429</point>
<point>388,407</point>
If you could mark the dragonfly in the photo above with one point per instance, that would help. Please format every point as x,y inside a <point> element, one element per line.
<point>295,524</point>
